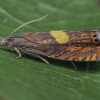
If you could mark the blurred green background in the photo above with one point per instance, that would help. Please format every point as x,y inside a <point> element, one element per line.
<point>31,79</point>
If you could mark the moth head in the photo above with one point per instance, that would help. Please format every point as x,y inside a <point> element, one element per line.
<point>3,42</point>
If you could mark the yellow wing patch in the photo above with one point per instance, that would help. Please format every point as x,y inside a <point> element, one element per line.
<point>60,36</point>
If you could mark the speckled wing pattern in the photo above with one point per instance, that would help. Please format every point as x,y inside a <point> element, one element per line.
<point>81,45</point>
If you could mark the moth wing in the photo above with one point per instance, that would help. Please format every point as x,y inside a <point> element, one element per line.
<point>78,45</point>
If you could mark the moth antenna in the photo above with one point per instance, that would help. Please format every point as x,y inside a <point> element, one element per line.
<point>32,21</point>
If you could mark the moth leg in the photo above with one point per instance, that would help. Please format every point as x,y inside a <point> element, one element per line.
<point>43,59</point>
<point>36,55</point>
<point>74,65</point>
<point>19,54</point>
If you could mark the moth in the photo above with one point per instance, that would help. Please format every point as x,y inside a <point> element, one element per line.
<point>78,45</point>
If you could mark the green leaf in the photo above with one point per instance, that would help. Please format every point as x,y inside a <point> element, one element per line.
<point>31,79</point>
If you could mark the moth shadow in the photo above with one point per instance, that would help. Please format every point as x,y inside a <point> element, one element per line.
<point>83,66</point>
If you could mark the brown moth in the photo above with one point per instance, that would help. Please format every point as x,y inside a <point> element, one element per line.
<point>82,45</point>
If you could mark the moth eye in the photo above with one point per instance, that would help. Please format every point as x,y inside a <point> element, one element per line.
<point>6,43</point>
